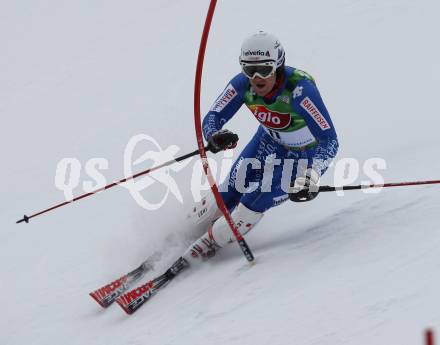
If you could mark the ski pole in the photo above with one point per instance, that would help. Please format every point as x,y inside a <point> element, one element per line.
<point>115,183</point>
<point>384,185</point>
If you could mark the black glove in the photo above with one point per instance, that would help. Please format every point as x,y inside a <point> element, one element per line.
<point>222,140</point>
<point>305,188</point>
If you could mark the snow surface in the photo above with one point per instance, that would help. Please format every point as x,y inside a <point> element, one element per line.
<point>80,78</point>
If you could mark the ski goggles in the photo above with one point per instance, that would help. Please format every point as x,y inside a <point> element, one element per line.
<point>262,69</point>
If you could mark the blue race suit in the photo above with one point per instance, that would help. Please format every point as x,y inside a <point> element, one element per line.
<point>295,128</point>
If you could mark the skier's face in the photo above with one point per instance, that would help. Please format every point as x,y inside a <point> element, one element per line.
<point>263,86</point>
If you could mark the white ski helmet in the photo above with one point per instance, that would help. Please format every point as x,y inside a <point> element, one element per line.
<point>261,47</point>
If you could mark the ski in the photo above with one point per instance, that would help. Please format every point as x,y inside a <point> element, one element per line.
<point>107,294</point>
<point>136,298</point>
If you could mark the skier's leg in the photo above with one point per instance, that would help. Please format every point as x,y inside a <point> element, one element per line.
<point>247,214</point>
<point>205,212</point>
<point>220,233</point>
<point>250,205</point>
<point>270,194</point>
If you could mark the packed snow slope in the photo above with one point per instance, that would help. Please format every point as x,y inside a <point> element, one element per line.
<point>80,78</point>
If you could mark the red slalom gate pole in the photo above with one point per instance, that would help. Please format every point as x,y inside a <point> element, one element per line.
<point>429,337</point>
<point>198,127</point>
<point>385,185</point>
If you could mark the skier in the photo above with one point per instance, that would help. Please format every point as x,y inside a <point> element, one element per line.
<point>294,126</point>
<point>290,151</point>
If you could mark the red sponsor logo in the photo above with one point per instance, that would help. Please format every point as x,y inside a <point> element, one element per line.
<point>108,289</point>
<point>136,293</point>
<point>313,111</point>
<point>228,95</point>
<point>271,119</point>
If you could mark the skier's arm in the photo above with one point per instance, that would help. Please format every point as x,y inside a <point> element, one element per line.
<point>311,107</point>
<point>225,106</point>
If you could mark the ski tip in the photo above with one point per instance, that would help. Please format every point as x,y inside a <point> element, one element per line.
<point>121,303</point>
<point>96,298</point>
